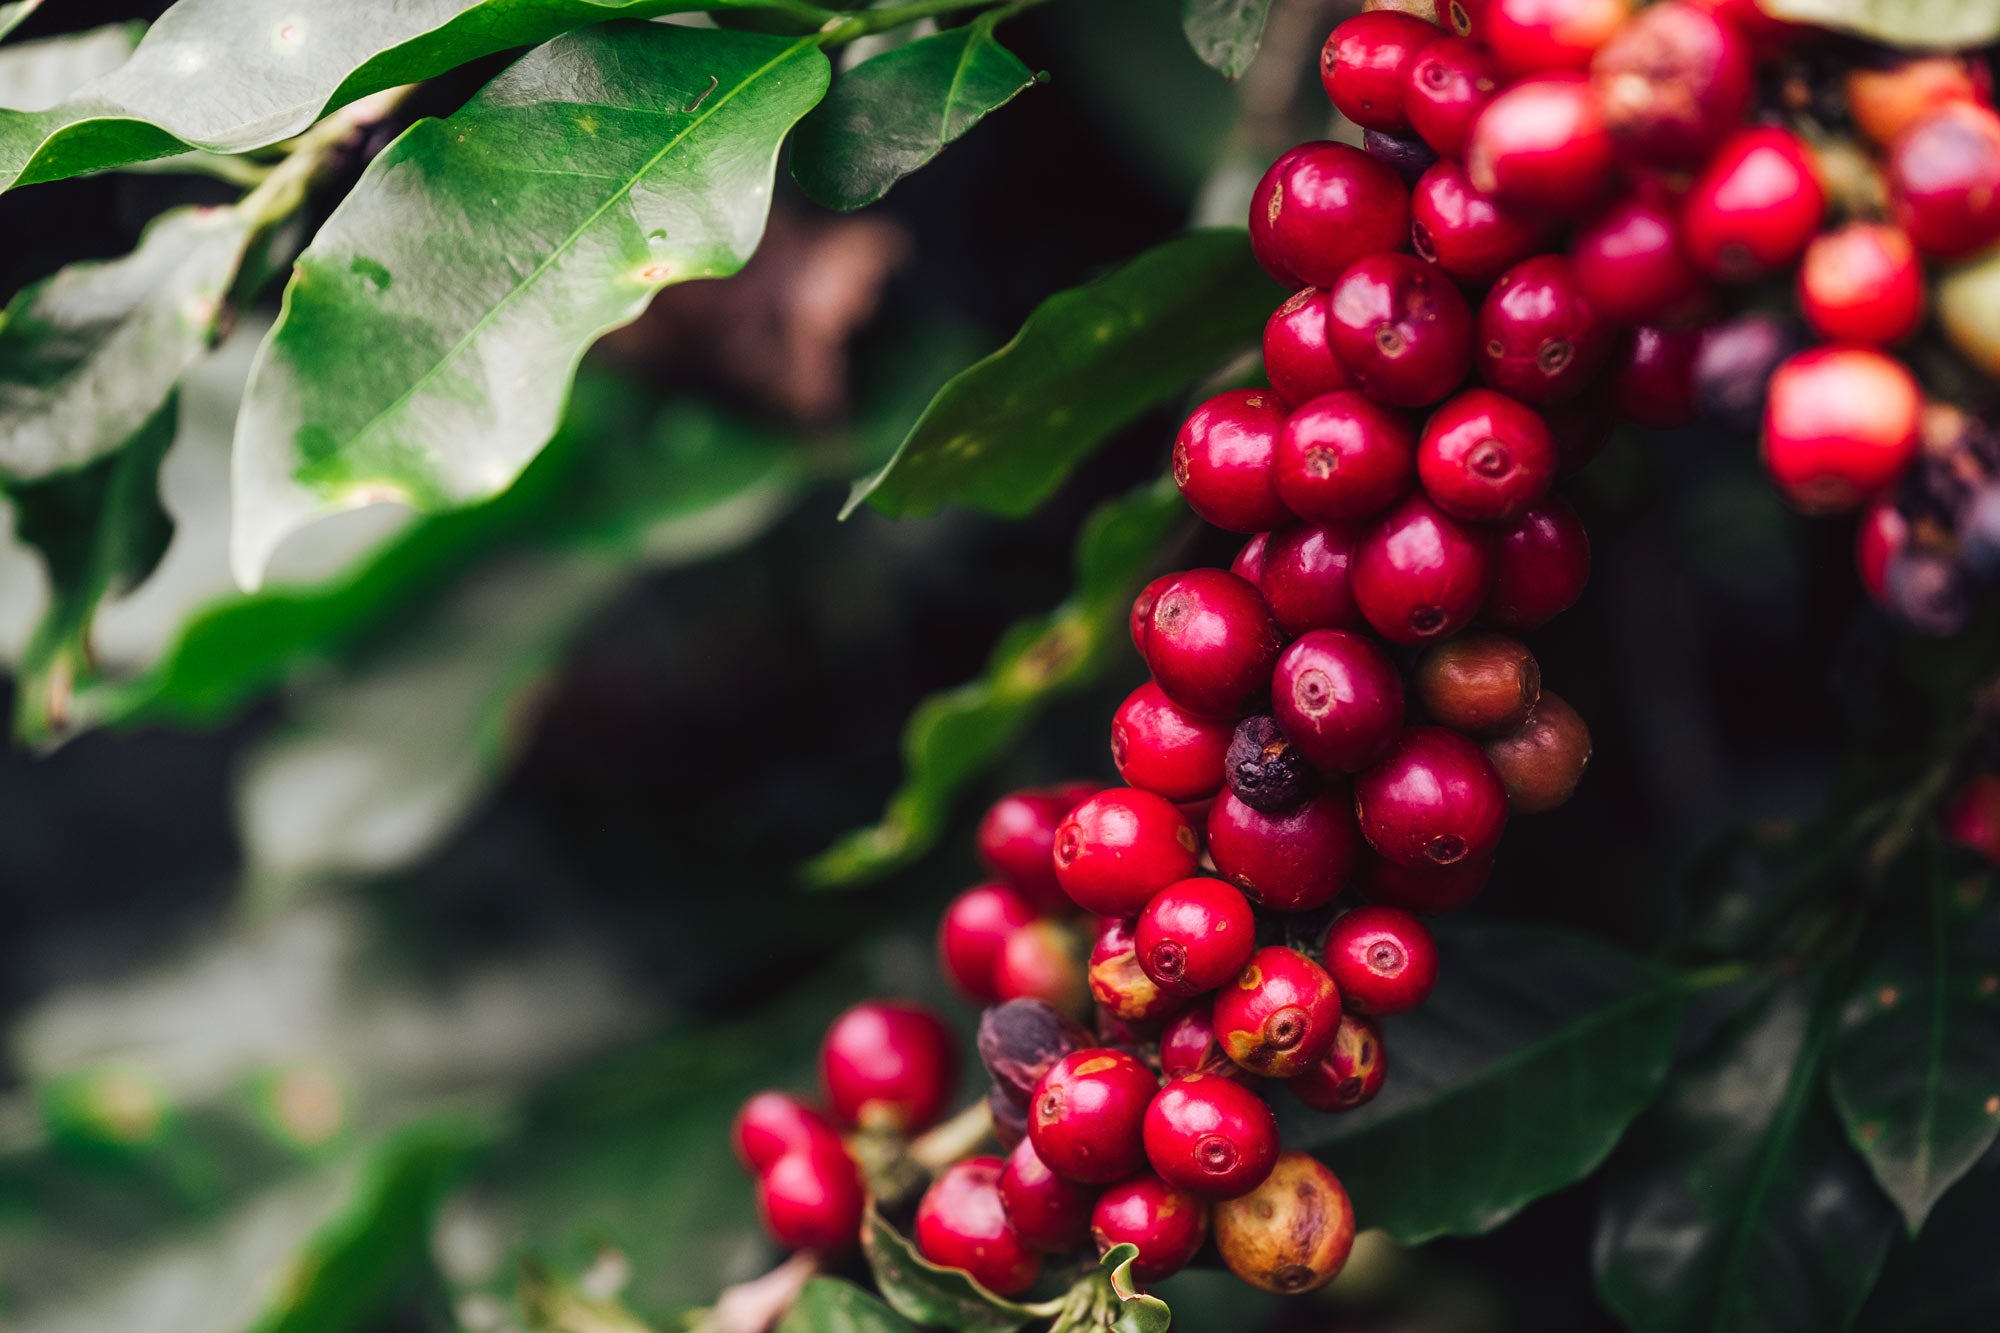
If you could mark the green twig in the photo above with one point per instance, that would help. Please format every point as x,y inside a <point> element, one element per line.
<point>848,28</point>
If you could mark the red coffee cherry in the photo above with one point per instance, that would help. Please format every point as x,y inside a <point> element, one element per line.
<point>962,1223</point>
<point>1044,960</point>
<point>1419,573</point>
<point>1307,578</point>
<point>1767,34</point>
<point>1291,860</point>
<point>1167,1224</point>
<point>772,1124</point>
<point>1017,841</point>
<point>1434,800</point>
<point>1540,339</point>
<point>1162,748</point>
<point>1266,771</point>
<point>1888,100</point>
<point>1542,760</point>
<point>1119,983</point>
<point>1350,1073</point>
<point>1195,936</point>
<point>1426,890</point>
<point>1945,175</point>
<point>1541,563</point>
<point>972,933</point>
<point>1087,1115</point>
<point>1673,83</point>
<point>1461,16</point>
<point>1755,207</point>
<point>1210,643</point>
<point>1343,456</point>
<point>1279,1015</point>
<point>1211,1136</point>
<point>1189,1046</point>
<point>1972,816</point>
<point>1339,698</point>
<point>1864,284</point>
<point>1447,86</point>
<point>811,1199</point>
<point>1485,457</point>
<point>1542,145</point>
<point>1291,1234</point>
<point>1119,848</point>
<point>1400,328</point>
<point>1366,63</point>
<point>1840,424</point>
<point>889,1062</point>
<point>1222,460</point>
<point>1383,960</point>
<point>1538,36</point>
<point>1652,376</point>
<point>1297,360</point>
<point>1468,234</point>
<point>1628,264</point>
<point>1320,207</point>
<point>1882,532</point>
<point>1248,564</point>
<point>1049,1213</point>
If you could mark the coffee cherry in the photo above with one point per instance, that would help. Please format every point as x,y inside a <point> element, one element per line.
<point>962,1223</point>
<point>1210,643</point>
<point>1049,1213</point>
<point>1350,1073</point>
<point>1307,579</point>
<point>772,1124</point>
<point>811,1199</point>
<point>1540,339</point>
<point>1248,564</point>
<point>1766,33</point>
<point>1406,155</point>
<point>1673,83</point>
<point>972,933</point>
<point>1542,145</point>
<point>1195,935</point>
<point>1043,960</point>
<point>1652,376</point>
<point>1419,573</point>
<point>1320,207</point>
<point>1972,816</point>
<point>1484,456</point>
<point>1400,328</point>
<point>1862,284</point>
<point>1479,683</point>
<point>1292,1233</point>
<point>888,1062</point>
<point>1945,174</point>
<point>1541,563</point>
<point>1542,760</point>
<point>1189,1045</point>
<point>1339,698</point>
<point>1289,861</point>
<point>1538,36</point>
<point>1434,800</point>
<point>1382,959</point>
<point>1279,1015</point>
<point>1628,264</point>
<point>1118,981</point>
<point>1020,1039</point>
<point>1840,423</point>
<point>1266,771</point>
<point>1882,532</point>
<point>1087,1113</point>
<point>1468,234</point>
<point>1017,841</point>
<point>1446,87</point>
<point>1755,207</point>
<point>1343,456</point>
<point>1119,848</point>
<point>1222,460</point>
<point>1168,1225</point>
<point>1162,748</point>
<point>1297,360</point>
<point>1734,365</point>
<point>1365,65</point>
<point>1427,889</point>
<point>1888,100</point>
<point>1211,1136</point>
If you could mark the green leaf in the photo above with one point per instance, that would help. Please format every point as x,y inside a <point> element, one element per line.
<point>432,328</point>
<point>938,1297</point>
<point>1005,432</point>
<point>1225,33</point>
<point>39,74</point>
<point>1915,1065</point>
<point>953,737</point>
<point>1516,1078</point>
<point>1137,1312</point>
<point>828,1305</point>
<point>893,113</point>
<point>14,15</point>
<point>1924,24</point>
<point>1945,1280</point>
<point>1737,1204</point>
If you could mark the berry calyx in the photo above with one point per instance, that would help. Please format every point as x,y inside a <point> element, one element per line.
<point>962,1223</point>
<point>1401,328</point>
<point>1049,1213</point>
<point>1382,959</point>
<point>1485,457</point>
<point>1286,860</point>
<point>1119,848</point>
<point>1435,799</point>
<point>890,1063</point>
<point>1087,1113</point>
<point>1291,1234</point>
<point>1541,761</point>
<point>1211,1136</point>
<point>1167,1224</point>
<point>1343,456</point>
<point>972,934</point>
<point>1478,683</point>
<point>1419,573</point>
<point>1160,747</point>
<point>1339,698</point>
<point>1840,423</point>
<point>1222,460</point>
<point>1350,1073</point>
<point>1320,207</point>
<point>1210,643</point>
<point>1279,1015</point>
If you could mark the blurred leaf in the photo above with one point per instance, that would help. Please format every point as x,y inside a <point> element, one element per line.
<point>1945,1280</point>
<point>893,113</point>
<point>828,1305</point>
<point>1545,1042</point>
<point>1737,1204</point>
<point>1225,33</point>
<point>552,1303</point>
<point>14,15</point>
<point>1925,24</point>
<point>1005,432</point>
<point>39,74</point>
<point>937,1297</point>
<point>953,737</point>
<point>431,330</point>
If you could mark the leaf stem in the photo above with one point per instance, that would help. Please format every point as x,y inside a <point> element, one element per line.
<point>847,28</point>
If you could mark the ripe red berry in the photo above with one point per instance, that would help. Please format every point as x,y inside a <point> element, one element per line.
<point>1210,643</point>
<point>1168,1225</point>
<point>1248,565</point>
<point>1755,207</point>
<point>1540,339</point>
<point>1350,1073</point>
<point>1162,748</point>
<point>1320,207</point>
<point>1484,456</point>
<point>1542,760</point>
<point>1447,86</point>
<point>1119,983</point>
<point>1343,456</point>
<point>1652,376</point>
<point>1972,816</point>
<point>1266,771</point>
<point>1195,935</point>
<point>1365,66</point>
<point>1049,1213</point>
<point>972,933</point>
<point>1673,82</point>
<point>1279,1015</point>
<point>1468,234</point>
<point>1888,99</point>
<point>1383,960</point>
<point>962,1223</point>
<point>1401,329</point>
<point>1882,533</point>
<point>1541,563</point>
<point>1767,33</point>
<point>812,1199</point>
<point>1290,860</point>
<point>1419,573</point>
<point>772,1124</point>
<point>1628,264</point>
<point>1087,1115</point>
<point>1840,423</point>
<point>891,1062</point>
<point>1339,698</point>
<point>1189,1045</point>
<point>1434,800</point>
<point>1538,36</point>
<point>1478,683</point>
<point>1222,460</point>
<point>1427,889</point>
<point>1306,578</point>
<point>1945,174</point>
<point>1297,360</point>
<point>1211,1136</point>
<point>1291,1234</point>
<point>1017,840</point>
<point>1043,960</point>
<point>1864,284</point>
<point>1542,145</point>
<point>1119,848</point>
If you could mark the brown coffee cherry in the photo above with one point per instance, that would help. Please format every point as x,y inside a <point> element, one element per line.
<point>1484,684</point>
<point>1292,1233</point>
<point>1542,760</point>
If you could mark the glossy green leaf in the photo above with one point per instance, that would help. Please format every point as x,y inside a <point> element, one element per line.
<point>829,1305</point>
<point>1516,1078</point>
<point>893,113</point>
<point>1225,33</point>
<point>1004,433</point>
<point>937,1297</point>
<point>953,737</point>
<point>1923,24</point>
<point>432,328</point>
<point>1137,1312</point>
<point>14,15</point>
<point>1737,1204</point>
<point>39,74</point>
